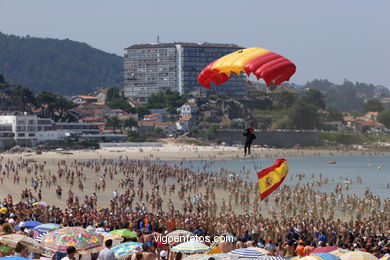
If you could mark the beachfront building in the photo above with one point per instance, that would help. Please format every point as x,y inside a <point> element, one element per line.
<point>150,68</point>
<point>18,127</point>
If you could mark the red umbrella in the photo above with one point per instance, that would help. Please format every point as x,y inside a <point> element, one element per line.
<point>324,249</point>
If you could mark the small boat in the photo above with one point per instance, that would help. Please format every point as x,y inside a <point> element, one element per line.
<point>370,164</point>
<point>332,162</point>
<point>379,168</point>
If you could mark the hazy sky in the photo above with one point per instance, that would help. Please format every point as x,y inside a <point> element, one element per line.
<point>333,39</point>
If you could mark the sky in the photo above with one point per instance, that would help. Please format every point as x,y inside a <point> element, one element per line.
<point>333,39</point>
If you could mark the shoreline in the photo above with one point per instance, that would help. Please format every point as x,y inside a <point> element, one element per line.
<point>171,152</point>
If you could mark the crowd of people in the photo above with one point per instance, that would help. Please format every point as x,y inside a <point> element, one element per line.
<point>155,198</point>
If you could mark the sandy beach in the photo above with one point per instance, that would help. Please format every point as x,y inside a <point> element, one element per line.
<point>167,152</point>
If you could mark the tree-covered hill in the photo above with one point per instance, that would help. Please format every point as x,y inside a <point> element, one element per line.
<point>61,66</point>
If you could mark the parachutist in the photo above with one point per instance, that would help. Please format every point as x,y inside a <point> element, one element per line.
<point>249,137</point>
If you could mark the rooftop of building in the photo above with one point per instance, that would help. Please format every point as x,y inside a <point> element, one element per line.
<point>185,44</point>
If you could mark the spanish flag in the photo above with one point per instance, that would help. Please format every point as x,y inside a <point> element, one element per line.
<point>271,177</point>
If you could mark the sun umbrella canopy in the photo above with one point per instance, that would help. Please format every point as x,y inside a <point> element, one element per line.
<point>266,257</point>
<point>28,224</point>
<point>222,256</point>
<point>179,232</point>
<point>124,233</point>
<point>45,228</point>
<point>387,257</point>
<point>261,250</point>
<point>13,239</point>
<point>339,252</point>
<point>115,238</point>
<point>358,255</point>
<point>78,237</point>
<point>324,249</point>
<point>13,258</point>
<point>191,247</point>
<point>125,249</point>
<point>40,203</point>
<point>310,257</point>
<point>326,256</point>
<point>246,253</point>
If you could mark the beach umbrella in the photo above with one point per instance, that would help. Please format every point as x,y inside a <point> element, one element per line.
<point>326,256</point>
<point>293,257</point>
<point>191,247</point>
<point>221,256</point>
<point>180,233</point>
<point>386,257</point>
<point>13,258</point>
<point>339,252</point>
<point>124,233</point>
<point>116,240</point>
<point>261,250</point>
<point>311,258</point>
<point>358,255</point>
<point>28,224</point>
<point>246,253</point>
<point>266,257</point>
<point>324,249</point>
<point>48,227</point>
<point>40,203</point>
<point>13,239</point>
<point>125,249</point>
<point>78,237</point>
<point>3,210</point>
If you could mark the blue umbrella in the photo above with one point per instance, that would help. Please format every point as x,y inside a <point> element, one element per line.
<point>28,224</point>
<point>13,258</point>
<point>44,228</point>
<point>246,253</point>
<point>266,257</point>
<point>326,256</point>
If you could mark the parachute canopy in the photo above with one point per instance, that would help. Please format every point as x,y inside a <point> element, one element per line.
<point>272,67</point>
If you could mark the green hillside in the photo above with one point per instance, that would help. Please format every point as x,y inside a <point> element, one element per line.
<point>61,66</point>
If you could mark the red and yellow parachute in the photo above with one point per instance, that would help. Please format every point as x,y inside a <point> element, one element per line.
<point>272,67</point>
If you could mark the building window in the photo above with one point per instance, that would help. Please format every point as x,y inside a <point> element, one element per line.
<point>21,135</point>
<point>31,134</point>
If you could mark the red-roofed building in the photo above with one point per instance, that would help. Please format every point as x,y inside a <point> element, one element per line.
<point>83,99</point>
<point>156,117</point>
<point>185,123</point>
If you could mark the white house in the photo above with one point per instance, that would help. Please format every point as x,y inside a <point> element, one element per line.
<point>189,109</point>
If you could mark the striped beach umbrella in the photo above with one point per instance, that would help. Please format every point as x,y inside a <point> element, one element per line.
<point>326,256</point>
<point>386,257</point>
<point>126,249</point>
<point>28,224</point>
<point>267,257</point>
<point>339,252</point>
<point>246,253</point>
<point>191,247</point>
<point>358,255</point>
<point>48,227</point>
